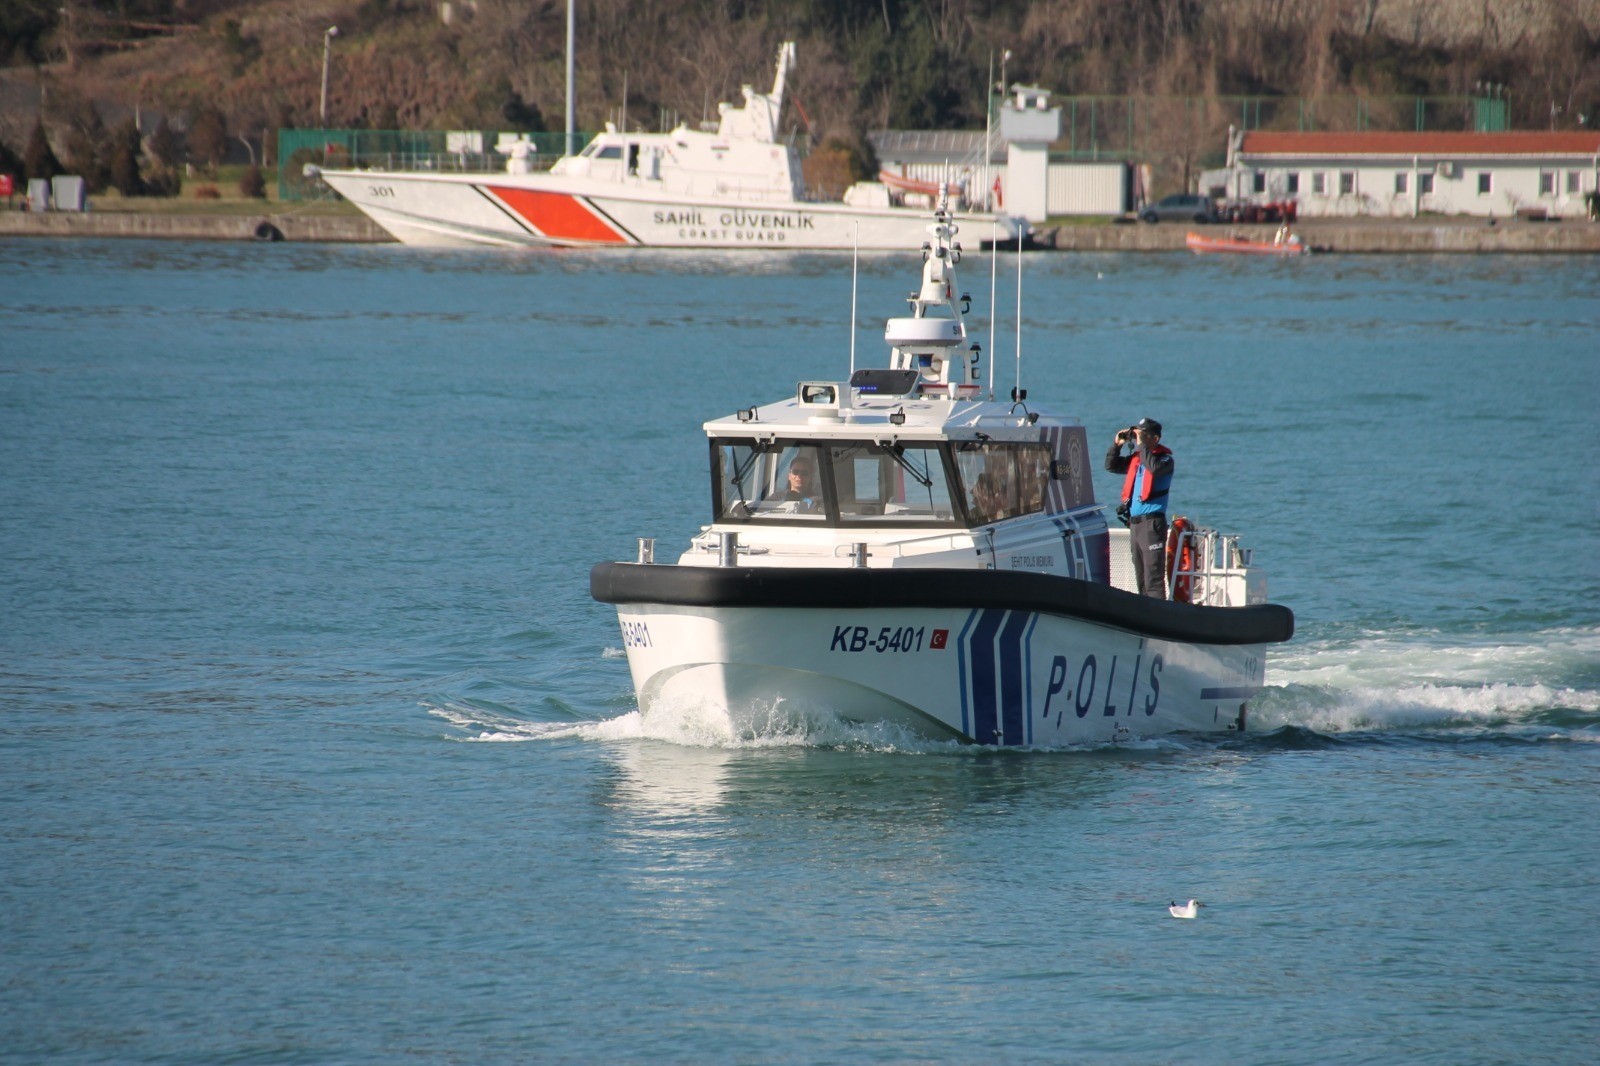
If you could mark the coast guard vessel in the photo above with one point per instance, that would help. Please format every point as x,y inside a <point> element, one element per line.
<point>735,186</point>
<point>899,548</point>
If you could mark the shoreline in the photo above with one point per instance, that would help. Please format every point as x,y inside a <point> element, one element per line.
<point>263,226</point>
<point>1348,236</point>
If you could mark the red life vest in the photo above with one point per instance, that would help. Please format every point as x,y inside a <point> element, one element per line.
<point>1133,474</point>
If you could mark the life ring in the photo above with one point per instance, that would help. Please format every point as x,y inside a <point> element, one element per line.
<point>1180,560</point>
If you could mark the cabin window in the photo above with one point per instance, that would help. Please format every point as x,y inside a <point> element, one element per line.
<point>1347,182</point>
<point>887,484</point>
<point>1425,184</point>
<point>1401,181</point>
<point>1319,182</point>
<point>1292,182</point>
<point>832,484</point>
<point>1485,183</point>
<point>1547,183</point>
<point>756,481</point>
<point>610,151</point>
<point>1574,182</point>
<point>1002,480</point>
<point>1260,183</point>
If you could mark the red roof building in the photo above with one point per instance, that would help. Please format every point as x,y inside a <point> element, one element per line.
<point>1400,174</point>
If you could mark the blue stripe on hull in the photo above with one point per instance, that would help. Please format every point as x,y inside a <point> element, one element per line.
<point>961,670</point>
<point>1012,681</point>
<point>1027,677</point>
<point>985,716</point>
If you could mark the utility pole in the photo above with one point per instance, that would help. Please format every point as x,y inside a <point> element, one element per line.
<point>572,105</point>
<point>327,48</point>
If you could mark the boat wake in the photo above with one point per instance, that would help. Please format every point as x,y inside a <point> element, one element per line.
<point>693,725</point>
<point>1384,687</point>
<point>1421,684</point>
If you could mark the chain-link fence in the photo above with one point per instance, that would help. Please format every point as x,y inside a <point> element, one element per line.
<point>426,150</point>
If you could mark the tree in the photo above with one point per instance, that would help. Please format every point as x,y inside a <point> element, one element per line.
<point>88,153</point>
<point>25,29</point>
<point>521,114</point>
<point>163,180</point>
<point>37,158</point>
<point>208,137</point>
<point>10,161</point>
<point>164,145</point>
<point>125,175</point>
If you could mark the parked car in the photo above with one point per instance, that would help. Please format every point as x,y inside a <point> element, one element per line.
<point>1184,207</point>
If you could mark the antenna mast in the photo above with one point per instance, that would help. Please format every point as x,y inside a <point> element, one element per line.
<point>1018,385</point>
<point>994,267</point>
<point>855,270</point>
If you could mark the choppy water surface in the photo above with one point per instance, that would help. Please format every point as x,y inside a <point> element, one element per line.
<point>316,750</point>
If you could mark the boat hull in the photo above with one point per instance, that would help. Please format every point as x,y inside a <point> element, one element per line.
<point>545,210</point>
<point>1204,244</point>
<point>1047,661</point>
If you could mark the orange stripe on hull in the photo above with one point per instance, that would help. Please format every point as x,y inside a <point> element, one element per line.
<point>559,216</point>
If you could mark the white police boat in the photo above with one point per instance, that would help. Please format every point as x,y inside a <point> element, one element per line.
<point>936,562</point>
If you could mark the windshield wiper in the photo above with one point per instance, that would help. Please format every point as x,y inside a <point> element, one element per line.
<point>743,469</point>
<point>897,453</point>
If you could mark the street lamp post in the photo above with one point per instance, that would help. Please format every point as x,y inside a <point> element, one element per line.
<point>327,47</point>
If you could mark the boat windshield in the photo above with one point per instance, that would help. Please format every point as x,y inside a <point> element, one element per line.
<point>833,483</point>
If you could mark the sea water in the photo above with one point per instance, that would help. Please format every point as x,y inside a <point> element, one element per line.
<point>313,747</point>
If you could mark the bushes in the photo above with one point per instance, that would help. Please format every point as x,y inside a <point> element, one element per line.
<point>252,184</point>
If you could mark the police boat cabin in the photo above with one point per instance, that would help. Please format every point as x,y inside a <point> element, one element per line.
<point>900,550</point>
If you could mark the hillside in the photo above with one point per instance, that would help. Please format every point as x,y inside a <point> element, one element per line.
<point>863,64</point>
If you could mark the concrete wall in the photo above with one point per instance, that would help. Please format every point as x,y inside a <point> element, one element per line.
<point>339,228</point>
<point>1352,236</point>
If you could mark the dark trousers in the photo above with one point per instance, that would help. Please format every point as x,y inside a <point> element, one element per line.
<point>1148,535</point>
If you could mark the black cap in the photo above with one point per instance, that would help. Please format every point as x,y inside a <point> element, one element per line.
<point>1148,425</point>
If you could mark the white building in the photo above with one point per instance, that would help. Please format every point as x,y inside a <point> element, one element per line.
<point>1017,174</point>
<point>1403,174</point>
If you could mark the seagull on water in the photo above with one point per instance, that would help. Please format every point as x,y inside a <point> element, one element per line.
<point>1185,910</point>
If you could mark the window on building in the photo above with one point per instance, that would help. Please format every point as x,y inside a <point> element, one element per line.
<point>1347,182</point>
<point>1292,182</point>
<point>1401,182</point>
<point>1547,183</point>
<point>1425,184</point>
<point>1260,182</point>
<point>1485,183</point>
<point>1319,182</point>
<point>1574,181</point>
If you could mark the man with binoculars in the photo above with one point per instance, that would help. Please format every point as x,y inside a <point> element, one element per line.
<point>1144,500</point>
